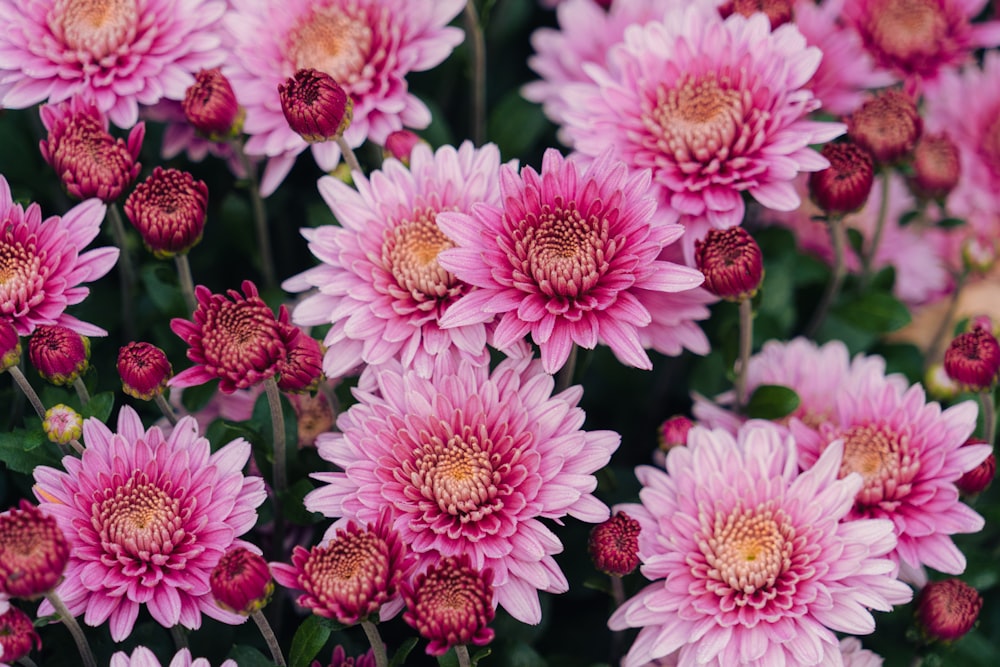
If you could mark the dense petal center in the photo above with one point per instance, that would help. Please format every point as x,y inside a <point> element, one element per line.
<point>458,475</point>
<point>883,457</point>
<point>332,42</point>
<point>747,550</point>
<point>22,275</point>
<point>903,28</point>
<point>97,27</point>
<point>561,251</point>
<point>410,251</point>
<point>241,334</point>
<point>139,520</point>
<point>351,569</point>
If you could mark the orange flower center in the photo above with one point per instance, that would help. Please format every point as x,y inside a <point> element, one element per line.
<point>749,548</point>
<point>97,27</point>
<point>903,28</point>
<point>883,458</point>
<point>332,42</point>
<point>410,251</point>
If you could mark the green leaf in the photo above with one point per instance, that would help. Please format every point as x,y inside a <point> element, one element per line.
<point>908,217</point>
<point>99,406</point>
<point>772,401</point>
<point>22,451</point>
<point>856,240</point>
<point>399,657</point>
<point>516,124</point>
<point>948,223</point>
<point>877,312</point>
<point>309,639</point>
<point>247,656</point>
<point>159,286</point>
<point>293,504</point>
<point>195,398</point>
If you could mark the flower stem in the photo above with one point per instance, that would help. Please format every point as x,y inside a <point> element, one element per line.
<point>378,646</point>
<point>125,267</point>
<point>77,446</point>
<point>179,636</point>
<point>259,216</point>
<point>478,45</point>
<point>186,281</point>
<point>278,429</point>
<point>165,408</point>
<point>564,378</point>
<point>268,633</point>
<point>26,662</point>
<point>28,391</point>
<point>74,628</point>
<point>461,650</point>
<point>349,157</point>
<point>838,237</point>
<point>871,249</point>
<point>933,349</point>
<point>746,347</point>
<point>989,415</point>
<point>81,390</point>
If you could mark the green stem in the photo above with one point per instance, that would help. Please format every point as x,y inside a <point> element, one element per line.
<point>77,446</point>
<point>838,238</point>
<point>259,216</point>
<point>934,348</point>
<point>989,415</point>
<point>461,650</point>
<point>871,249</point>
<point>26,662</point>
<point>165,408</point>
<point>349,157</point>
<point>179,635</point>
<point>186,281</point>
<point>564,378</point>
<point>378,646</point>
<point>125,268</point>
<point>28,391</point>
<point>81,390</point>
<point>278,429</point>
<point>268,634</point>
<point>74,628</point>
<point>474,29</point>
<point>746,347</point>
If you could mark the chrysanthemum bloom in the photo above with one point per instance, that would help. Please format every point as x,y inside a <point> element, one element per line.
<point>169,210</point>
<point>732,263</point>
<point>778,12</point>
<point>88,160</point>
<point>302,368</point>
<point>562,257</point>
<point>973,359</point>
<point>17,635</point>
<point>44,263</point>
<point>144,370</point>
<point>315,105</point>
<point>379,282</point>
<point>59,354</point>
<point>400,145</point>
<point>948,609</point>
<point>62,424</point>
<point>233,337</point>
<point>10,346</point>
<point>614,545</point>
<point>210,105</point>
<point>936,166</point>
<point>469,461</point>
<point>887,125</point>
<point>33,552</point>
<point>241,581</point>
<point>979,478</point>
<point>451,604</point>
<point>147,518</point>
<point>714,107</point>
<point>143,657</point>
<point>122,53</point>
<point>854,655</point>
<point>909,454</point>
<point>844,186</point>
<point>750,560</point>
<point>367,46</point>
<point>341,659</point>
<point>918,39</point>
<point>353,574</point>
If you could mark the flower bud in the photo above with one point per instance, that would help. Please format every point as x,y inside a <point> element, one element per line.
<point>144,370</point>
<point>887,125</point>
<point>10,346</point>
<point>979,254</point>
<point>400,145</point>
<point>62,424</point>
<point>939,385</point>
<point>936,167</point>
<point>973,359</point>
<point>732,263</point>
<point>614,545</point>
<point>844,186</point>
<point>210,105</point>
<point>302,368</point>
<point>33,552</point>
<point>948,609</point>
<point>674,432</point>
<point>979,478</point>
<point>169,210</point>
<point>17,636</point>
<point>315,105</point>
<point>241,582</point>
<point>59,354</point>
<point>778,12</point>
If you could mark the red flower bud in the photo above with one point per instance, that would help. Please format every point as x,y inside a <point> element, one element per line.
<point>973,359</point>
<point>732,263</point>
<point>59,354</point>
<point>241,581</point>
<point>844,186</point>
<point>144,370</point>
<point>888,125</point>
<point>210,105</point>
<point>315,105</point>
<point>33,552</point>
<point>614,545</point>
<point>169,210</point>
<point>936,167</point>
<point>17,635</point>
<point>948,609</point>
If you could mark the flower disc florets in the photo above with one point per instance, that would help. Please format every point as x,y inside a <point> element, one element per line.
<point>169,210</point>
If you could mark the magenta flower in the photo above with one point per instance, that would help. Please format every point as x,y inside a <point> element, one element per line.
<point>910,456</point>
<point>143,657</point>
<point>564,258</point>
<point>750,560</point>
<point>121,53</point>
<point>379,282</point>
<point>469,462</point>
<point>367,46</point>
<point>147,518</point>
<point>714,107</point>
<point>44,263</point>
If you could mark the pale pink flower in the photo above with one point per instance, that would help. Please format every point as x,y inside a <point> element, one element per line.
<point>148,517</point>
<point>749,559</point>
<point>469,462</point>
<point>143,657</point>
<point>910,454</point>
<point>45,265</point>
<point>716,108</point>
<point>379,281</point>
<point>563,258</point>
<point>367,46</point>
<point>122,53</point>
<point>853,655</point>
<point>180,136</point>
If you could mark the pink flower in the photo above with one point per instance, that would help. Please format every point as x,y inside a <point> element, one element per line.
<point>379,281</point>
<point>749,559</point>
<point>44,263</point>
<point>147,519</point>
<point>367,46</point>
<point>122,53</point>
<point>563,257</point>
<point>714,107</point>
<point>143,657</point>
<point>469,462</point>
<point>854,655</point>
<point>910,456</point>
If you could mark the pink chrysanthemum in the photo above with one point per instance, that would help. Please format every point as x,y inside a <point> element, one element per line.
<point>564,258</point>
<point>749,559</point>
<point>367,46</point>
<point>143,657</point>
<point>469,462</point>
<point>180,136</point>
<point>122,53</point>
<point>44,263</point>
<point>714,107</point>
<point>379,282</point>
<point>910,456</point>
<point>147,518</point>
